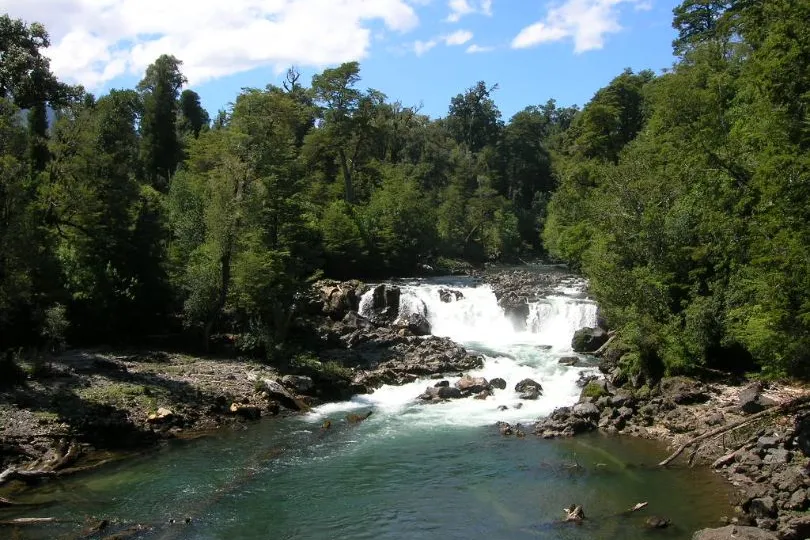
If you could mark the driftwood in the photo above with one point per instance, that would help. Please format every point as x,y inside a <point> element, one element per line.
<point>574,513</point>
<point>49,469</point>
<point>601,350</point>
<point>638,506</point>
<point>786,407</point>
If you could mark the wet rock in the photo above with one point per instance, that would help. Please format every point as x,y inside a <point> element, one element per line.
<point>530,393</point>
<point>273,407</point>
<point>525,383</point>
<point>503,408</point>
<point>356,418</point>
<point>734,532</point>
<point>448,392</point>
<point>584,379</point>
<point>450,295</point>
<point>298,383</point>
<point>384,307</point>
<point>278,392</point>
<point>415,323</point>
<point>498,383</point>
<point>356,321</point>
<point>569,361</point>
<point>751,400</point>
<point>483,394</point>
<point>442,384</point>
<point>588,340</point>
<point>472,385</point>
<point>504,428</point>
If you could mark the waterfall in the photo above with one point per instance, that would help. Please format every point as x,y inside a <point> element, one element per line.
<point>471,316</point>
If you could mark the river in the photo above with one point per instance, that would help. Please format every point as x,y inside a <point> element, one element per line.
<point>412,470</point>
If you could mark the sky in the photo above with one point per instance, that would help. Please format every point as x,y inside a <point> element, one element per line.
<point>419,52</point>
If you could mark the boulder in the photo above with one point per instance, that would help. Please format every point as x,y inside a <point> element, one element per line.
<point>357,322</point>
<point>163,414</point>
<point>525,383</point>
<point>683,390</point>
<point>763,507</point>
<point>802,428</point>
<point>442,384</point>
<point>734,532</point>
<point>752,401</point>
<point>415,322</point>
<point>384,307</point>
<point>357,418</point>
<point>587,410</point>
<point>656,522</point>
<point>276,391</point>
<point>588,340</point>
<point>498,383</point>
<point>339,298</point>
<point>472,385</point>
<point>530,393</point>
<point>301,384</point>
<point>450,295</point>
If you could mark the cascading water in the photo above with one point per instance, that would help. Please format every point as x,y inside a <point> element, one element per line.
<point>475,320</point>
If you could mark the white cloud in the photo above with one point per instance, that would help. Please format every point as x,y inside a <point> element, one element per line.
<point>587,22</point>
<point>472,49</point>
<point>94,41</point>
<point>462,8</point>
<point>459,37</point>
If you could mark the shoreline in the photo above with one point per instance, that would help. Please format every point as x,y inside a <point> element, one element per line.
<point>96,404</point>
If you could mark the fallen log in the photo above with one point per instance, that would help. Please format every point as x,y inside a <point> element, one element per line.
<point>788,406</point>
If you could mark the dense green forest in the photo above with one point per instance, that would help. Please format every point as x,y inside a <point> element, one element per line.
<point>683,197</point>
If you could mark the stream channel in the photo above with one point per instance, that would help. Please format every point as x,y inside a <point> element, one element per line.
<point>412,470</point>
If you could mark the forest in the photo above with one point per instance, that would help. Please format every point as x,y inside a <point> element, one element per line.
<point>681,196</point>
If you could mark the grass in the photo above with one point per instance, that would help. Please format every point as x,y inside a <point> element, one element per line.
<point>124,395</point>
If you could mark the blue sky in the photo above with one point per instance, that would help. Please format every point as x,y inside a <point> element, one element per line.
<point>415,51</point>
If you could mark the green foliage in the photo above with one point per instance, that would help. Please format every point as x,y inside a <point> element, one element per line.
<point>693,225</point>
<point>594,390</point>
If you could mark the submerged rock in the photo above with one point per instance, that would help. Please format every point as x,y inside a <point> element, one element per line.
<point>450,295</point>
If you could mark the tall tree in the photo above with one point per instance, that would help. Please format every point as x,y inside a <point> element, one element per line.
<point>160,145</point>
<point>474,119</point>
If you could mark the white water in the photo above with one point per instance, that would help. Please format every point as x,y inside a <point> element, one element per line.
<point>478,323</point>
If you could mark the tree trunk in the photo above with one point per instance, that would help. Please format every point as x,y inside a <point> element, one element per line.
<point>347,177</point>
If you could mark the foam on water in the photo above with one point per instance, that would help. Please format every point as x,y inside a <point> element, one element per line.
<point>477,322</point>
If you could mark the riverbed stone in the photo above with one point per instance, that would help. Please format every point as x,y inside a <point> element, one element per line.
<point>472,385</point>
<point>798,500</point>
<point>795,528</point>
<point>530,393</point>
<point>525,383</point>
<point>763,507</point>
<point>587,410</point>
<point>300,383</point>
<point>498,383</point>
<point>751,400</point>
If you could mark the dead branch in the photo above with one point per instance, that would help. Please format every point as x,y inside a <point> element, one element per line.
<point>786,407</point>
<point>601,350</point>
<point>30,521</point>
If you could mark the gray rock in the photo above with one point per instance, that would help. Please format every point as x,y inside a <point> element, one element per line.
<point>569,361</point>
<point>764,507</point>
<point>625,413</point>
<point>795,528</point>
<point>448,392</point>
<point>472,385</point>
<point>299,383</point>
<point>415,322</point>
<point>798,501</point>
<point>683,390</point>
<point>767,442</point>
<point>498,383</point>
<point>588,340</point>
<point>530,393</point>
<point>778,455</point>
<point>441,384</point>
<point>450,295</point>
<point>656,522</point>
<point>734,532</point>
<point>525,383</point>
<point>751,400</point>
<point>586,410</point>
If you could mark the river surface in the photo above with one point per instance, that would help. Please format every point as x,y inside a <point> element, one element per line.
<point>412,470</point>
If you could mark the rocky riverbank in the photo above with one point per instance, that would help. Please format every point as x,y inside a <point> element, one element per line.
<point>764,456</point>
<point>87,403</point>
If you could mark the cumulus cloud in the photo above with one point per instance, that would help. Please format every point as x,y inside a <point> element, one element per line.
<point>459,37</point>
<point>94,41</point>
<point>587,22</point>
<point>462,8</point>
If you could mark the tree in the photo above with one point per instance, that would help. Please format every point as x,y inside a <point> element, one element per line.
<point>160,145</point>
<point>192,118</point>
<point>473,119</point>
<point>699,21</point>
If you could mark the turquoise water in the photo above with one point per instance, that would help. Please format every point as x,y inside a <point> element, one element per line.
<point>412,470</point>
<point>291,480</point>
